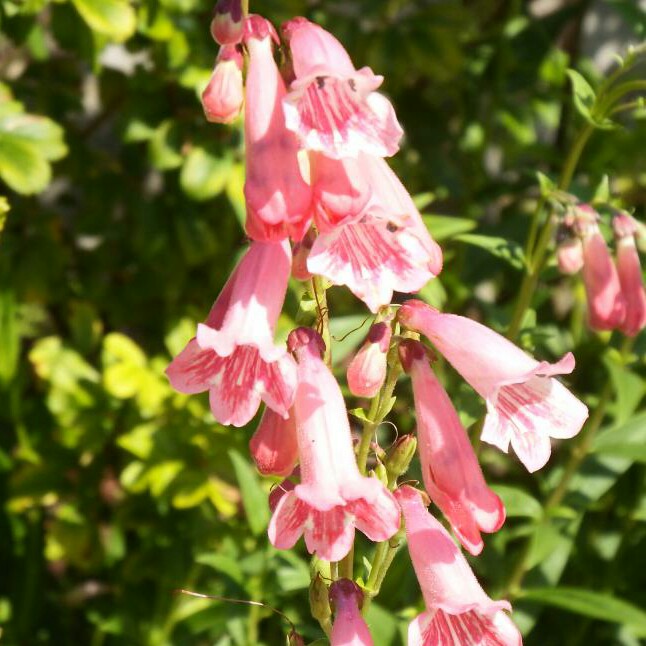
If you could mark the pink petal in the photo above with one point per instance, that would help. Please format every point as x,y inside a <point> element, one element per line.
<point>378,518</point>
<point>329,534</point>
<point>367,371</point>
<point>287,522</point>
<point>466,629</point>
<point>340,116</point>
<point>192,370</point>
<point>372,260</point>
<point>349,628</point>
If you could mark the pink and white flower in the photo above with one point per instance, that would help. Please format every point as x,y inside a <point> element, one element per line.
<point>450,470</point>
<point>458,612</point>
<point>333,497</point>
<point>273,446</point>
<point>233,355</point>
<point>630,274</point>
<point>367,370</point>
<point>331,106</point>
<point>278,198</point>
<point>223,97</point>
<point>372,237</point>
<point>606,303</point>
<point>227,22</point>
<point>525,404</point>
<point>349,627</point>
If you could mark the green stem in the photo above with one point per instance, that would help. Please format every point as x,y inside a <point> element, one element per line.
<point>323,322</point>
<point>538,259</point>
<point>577,456</point>
<point>384,555</point>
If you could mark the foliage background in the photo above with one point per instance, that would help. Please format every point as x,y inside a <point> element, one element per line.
<point>124,222</point>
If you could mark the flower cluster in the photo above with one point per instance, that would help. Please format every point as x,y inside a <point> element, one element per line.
<point>614,290</point>
<point>322,202</point>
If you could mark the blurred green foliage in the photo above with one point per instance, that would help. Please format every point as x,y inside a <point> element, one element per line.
<point>124,222</point>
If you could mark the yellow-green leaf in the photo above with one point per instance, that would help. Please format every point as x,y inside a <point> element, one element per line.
<point>114,18</point>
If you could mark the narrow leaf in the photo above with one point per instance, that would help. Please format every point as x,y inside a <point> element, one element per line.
<point>254,499</point>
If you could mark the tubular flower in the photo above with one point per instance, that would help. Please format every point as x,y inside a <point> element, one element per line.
<point>233,355</point>
<point>349,628</point>
<point>450,469</point>
<point>630,274</point>
<point>273,446</point>
<point>458,612</point>
<point>333,497</point>
<point>569,253</point>
<point>382,245</point>
<point>367,370</point>
<point>223,97</point>
<point>525,405</point>
<point>278,198</point>
<point>606,303</point>
<point>331,106</point>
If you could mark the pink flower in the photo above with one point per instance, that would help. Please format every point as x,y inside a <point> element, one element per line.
<point>630,274</point>
<point>226,26</point>
<point>367,370</point>
<point>331,106</point>
<point>372,238</point>
<point>301,251</point>
<point>333,497</point>
<point>349,628</point>
<point>525,405</point>
<point>606,303</point>
<point>458,612</point>
<point>569,255</point>
<point>223,97</point>
<point>450,469</point>
<point>273,446</point>
<point>278,198</point>
<point>233,355</point>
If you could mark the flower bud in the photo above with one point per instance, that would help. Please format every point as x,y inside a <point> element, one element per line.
<point>299,257</point>
<point>294,639</point>
<point>273,446</point>
<point>223,97</point>
<point>630,274</point>
<point>349,626</point>
<point>319,600</point>
<point>569,255</point>
<point>400,456</point>
<point>227,23</point>
<point>367,370</point>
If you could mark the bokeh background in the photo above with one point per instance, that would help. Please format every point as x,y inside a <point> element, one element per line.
<point>122,211</point>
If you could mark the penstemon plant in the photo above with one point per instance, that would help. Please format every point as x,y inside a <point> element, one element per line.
<point>324,207</point>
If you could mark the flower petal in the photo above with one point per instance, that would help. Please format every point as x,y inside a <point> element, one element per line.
<point>287,522</point>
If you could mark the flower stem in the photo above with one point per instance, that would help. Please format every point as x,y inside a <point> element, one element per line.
<point>577,456</point>
<point>538,258</point>
<point>323,319</point>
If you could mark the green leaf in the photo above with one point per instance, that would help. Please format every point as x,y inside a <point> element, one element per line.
<point>445,227</point>
<point>203,175</point>
<point>583,94</point>
<point>114,18</point>
<point>627,441</point>
<point>507,250</point>
<point>597,605</point>
<point>254,499</point>
<point>22,166</point>
<point>518,503</point>
<point>548,186</point>
<point>9,337</point>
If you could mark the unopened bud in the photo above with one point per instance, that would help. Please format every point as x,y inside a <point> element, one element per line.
<point>223,97</point>
<point>400,456</point>
<point>227,23</point>
<point>273,446</point>
<point>367,370</point>
<point>294,639</point>
<point>320,600</point>
<point>569,255</point>
<point>300,254</point>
